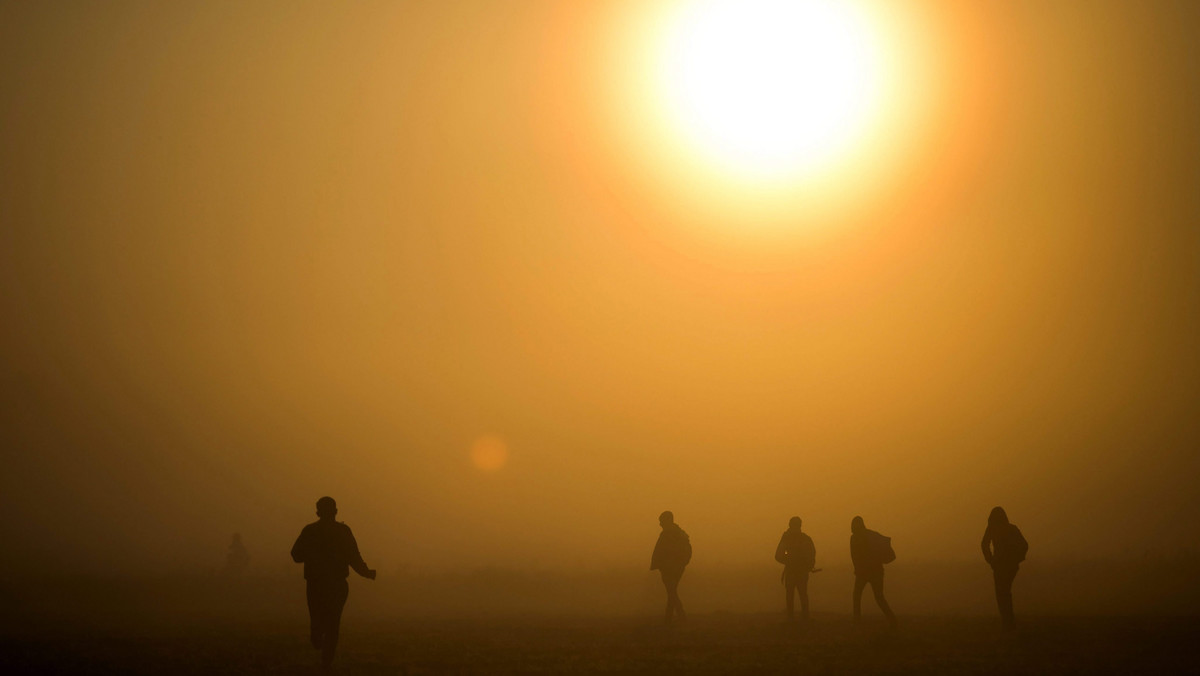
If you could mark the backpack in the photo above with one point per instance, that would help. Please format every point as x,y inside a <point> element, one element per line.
<point>883,547</point>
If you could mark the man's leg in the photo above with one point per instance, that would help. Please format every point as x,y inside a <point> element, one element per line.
<point>670,584</point>
<point>315,615</point>
<point>678,603</point>
<point>1004,579</point>
<point>789,585</point>
<point>674,605</point>
<point>877,589</point>
<point>338,592</point>
<point>859,584</point>
<point>802,590</point>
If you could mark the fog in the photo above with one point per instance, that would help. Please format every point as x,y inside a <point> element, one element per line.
<point>256,253</point>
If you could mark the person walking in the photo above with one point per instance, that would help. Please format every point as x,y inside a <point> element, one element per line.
<point>672,553</point>
<point>237,559</point>
<point>328,550</point>
<point>869,551</point>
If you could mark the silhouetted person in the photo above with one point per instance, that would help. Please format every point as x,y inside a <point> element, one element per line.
<point>672,553</point>
<point>869,551</point>
<point>1004,549</point>
<point>798,555</point>
<point>238,559</point>
<point>328,551</point>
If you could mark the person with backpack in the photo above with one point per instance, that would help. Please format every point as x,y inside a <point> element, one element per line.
<point>1004,549</point>
<point>798,555</point>
<point>672,553</point>
<point>869,551</point>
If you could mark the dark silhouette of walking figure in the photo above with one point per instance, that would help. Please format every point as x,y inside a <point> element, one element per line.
<point>238,559</point>
<point>798,555</point>
<point>328,551</point>
<point>1004,549</point>
<point>869,551</point>
<point>672,553</point>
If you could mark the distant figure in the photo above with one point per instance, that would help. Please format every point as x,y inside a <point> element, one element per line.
<point>1004,549</point>
<point>238,559</point>
<point>672,553</point>
<point>869,551</point>
<point>328,550</point>
<point>798,556</point>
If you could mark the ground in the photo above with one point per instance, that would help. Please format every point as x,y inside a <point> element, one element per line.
<point>714,643</point>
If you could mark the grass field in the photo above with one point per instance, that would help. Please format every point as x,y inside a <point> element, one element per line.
<point>710,643</point>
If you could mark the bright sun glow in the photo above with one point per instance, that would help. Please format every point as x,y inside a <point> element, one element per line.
<point>771,88</point>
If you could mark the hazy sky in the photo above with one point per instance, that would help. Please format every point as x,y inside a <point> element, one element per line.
<point>256,253</point>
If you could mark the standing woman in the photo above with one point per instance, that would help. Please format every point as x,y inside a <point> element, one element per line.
<point>1004,549</point>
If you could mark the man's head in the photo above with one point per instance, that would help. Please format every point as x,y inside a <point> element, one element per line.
<point>998,517</point>
<point>666,519</point>
<point>326,508</point>
<point>857,525</point>
<point>794,523</point>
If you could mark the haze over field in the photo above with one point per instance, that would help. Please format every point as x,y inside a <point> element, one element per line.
<point>256,253</point>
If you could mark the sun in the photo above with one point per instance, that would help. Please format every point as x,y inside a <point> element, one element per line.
<point>771,88</point>
<point>489,453</point>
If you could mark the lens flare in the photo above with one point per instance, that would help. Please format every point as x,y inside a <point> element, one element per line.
<point>489,453</point>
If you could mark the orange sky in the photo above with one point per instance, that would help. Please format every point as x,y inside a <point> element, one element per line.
<point>256,253</point>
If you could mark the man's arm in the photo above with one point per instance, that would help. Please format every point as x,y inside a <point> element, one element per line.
<point>356,559</point>
<point>300,549</point>
<point>781,550</point>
